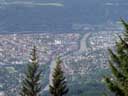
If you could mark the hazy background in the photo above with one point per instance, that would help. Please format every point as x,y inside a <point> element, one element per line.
<point>58,15</point>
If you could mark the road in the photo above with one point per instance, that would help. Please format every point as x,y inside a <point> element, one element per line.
<point>83,42</point>
<point>52,67</point>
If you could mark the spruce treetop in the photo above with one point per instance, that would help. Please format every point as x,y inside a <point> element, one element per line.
<point>58,86</point>
<point>31,85</point>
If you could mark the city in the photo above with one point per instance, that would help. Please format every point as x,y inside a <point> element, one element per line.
<point>82,54</point>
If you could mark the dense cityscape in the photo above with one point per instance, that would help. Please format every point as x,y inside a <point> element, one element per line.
<point>82,54</point>
<point>63,48</point>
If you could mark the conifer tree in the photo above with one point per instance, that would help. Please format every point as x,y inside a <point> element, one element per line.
<point>31,83</point>
<point>125,24</point>
<point>118,83</point>
<point>58,86</point>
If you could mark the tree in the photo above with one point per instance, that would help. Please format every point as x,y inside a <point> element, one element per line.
<point>58,87</point>
<point>125,24</point>
<point>118,83</point>
<point>31,84</point>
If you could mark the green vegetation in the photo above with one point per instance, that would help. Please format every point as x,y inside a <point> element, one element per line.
<point>118,82</point>
<point>58,86</point>
<point>89,83</point>
<point>31,85</point>
<point>11,69</point>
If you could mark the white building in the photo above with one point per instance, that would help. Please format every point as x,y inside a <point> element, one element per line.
<point>58,42</point>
